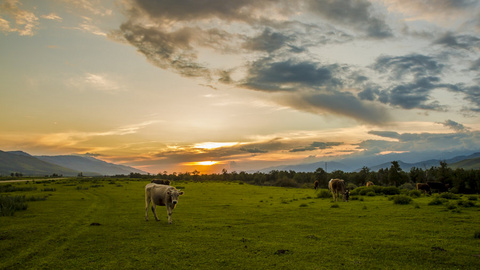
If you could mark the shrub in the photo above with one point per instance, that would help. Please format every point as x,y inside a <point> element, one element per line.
<point>286,182</point>
<point>390,191</point>
<point>402,199</point>
<point>449,196</point>
<point>335,205</point>
<point>11,188</point>
<point>9,205</point>
<point>371,194</point>
<point>477,234</point>
<point>407,186</point>
<point>466,203</point>
<point>437,201</point>
<point>472,198</point>
<point>351,186</point>
<point>324,193</point>
<point>451,206</point>
<point>414,193</point>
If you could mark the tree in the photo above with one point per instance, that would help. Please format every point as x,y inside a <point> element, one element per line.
<point>395,176</point>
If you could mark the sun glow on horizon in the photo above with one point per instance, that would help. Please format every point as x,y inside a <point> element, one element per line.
<point>201,163</point>
<point>213,145</point>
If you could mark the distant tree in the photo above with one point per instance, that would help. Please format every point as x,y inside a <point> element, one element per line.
<point>394,174</point>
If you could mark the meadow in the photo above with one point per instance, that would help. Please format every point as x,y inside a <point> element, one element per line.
<point>99,224</point>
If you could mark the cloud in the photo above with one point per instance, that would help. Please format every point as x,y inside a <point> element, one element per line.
<point>267,41</point>
<point>338,103</point>
<point>317,146</point>
<point>278,41</point>
<point>100,82</point>
<point>52,16</point>
<point>433,10</point>
<point>416,65</point>
<point>466,42</point>
<point>356,14</point>
<point>92,6</point>
<point>455,126</point>
<point>410,81</point>
<point>24,22</point>
<point>289,75</point>
<point>421,142</point>
<point>386,134</point>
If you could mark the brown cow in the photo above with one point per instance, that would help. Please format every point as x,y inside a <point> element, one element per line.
<point>440,187</point>
<point>370,183</point>
<point>315,185</point>
<point>337,187</point>
<point>424,187</point>
<point>161,182</point>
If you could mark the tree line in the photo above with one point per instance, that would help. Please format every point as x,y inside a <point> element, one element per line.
<point>460,180</point>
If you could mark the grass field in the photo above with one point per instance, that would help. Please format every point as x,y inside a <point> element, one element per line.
<point>86,224</point>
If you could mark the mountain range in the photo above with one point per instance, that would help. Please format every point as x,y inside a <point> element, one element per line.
<point>72,165</point>
<point>471,161</point>
<point>66,165</point>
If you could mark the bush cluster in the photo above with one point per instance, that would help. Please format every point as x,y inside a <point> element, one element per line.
<point>402,199</point>
<point>10,204</point>
<point>376,190</point>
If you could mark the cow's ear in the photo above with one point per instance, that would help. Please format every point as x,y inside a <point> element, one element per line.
<point>180,193</point>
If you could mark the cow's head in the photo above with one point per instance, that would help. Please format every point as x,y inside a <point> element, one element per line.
<point>346,195</point>
<point>174,194</point>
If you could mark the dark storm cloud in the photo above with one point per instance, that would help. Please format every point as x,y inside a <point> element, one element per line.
<point>357,14</point>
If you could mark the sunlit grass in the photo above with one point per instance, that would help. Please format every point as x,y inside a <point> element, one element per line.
<point>231,226</point>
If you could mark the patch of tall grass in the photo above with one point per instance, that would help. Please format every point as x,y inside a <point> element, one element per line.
<point>10,204</point>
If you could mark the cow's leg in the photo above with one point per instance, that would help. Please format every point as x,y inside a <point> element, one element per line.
<point>147,203</point>
<point>169,212</point>
<point>154,207</point>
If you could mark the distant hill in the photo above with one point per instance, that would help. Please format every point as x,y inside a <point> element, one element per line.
<point>21,162</point>
<point>88,165</point>
<point>468,164</point>
<point>70,165</point>
<point>309,167</point>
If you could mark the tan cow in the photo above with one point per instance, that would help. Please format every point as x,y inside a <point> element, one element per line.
<point>162,195</point>
<point>337,187</point>
<point>370,183</point>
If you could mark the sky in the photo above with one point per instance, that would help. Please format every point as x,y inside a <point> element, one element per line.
<point>240,85</point>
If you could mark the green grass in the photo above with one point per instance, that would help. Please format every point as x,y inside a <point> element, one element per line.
<point>232,226</point>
